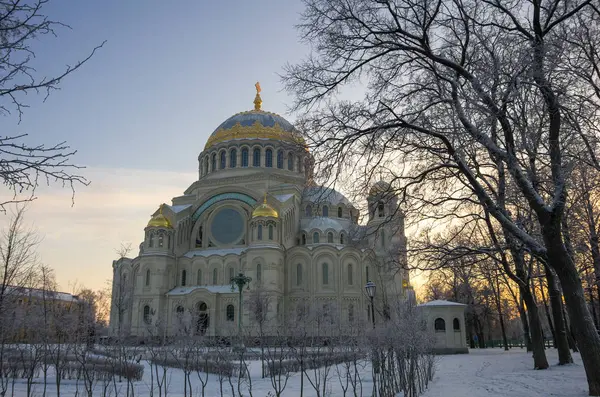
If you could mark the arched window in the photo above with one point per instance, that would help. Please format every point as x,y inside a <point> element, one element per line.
<point>231,274</point>
<point>303,239</point>
<point>268,158</point>
<point>147,282</point>
<point>290,161</point>
<point>330,237</point>
<point>161,240</point>
<point>245,157</point>
<point>315,237</point>
<point>350,313</point>
<point>367,273</point>
<point>339,212</point>
<point>440,325</point>
<point>232,158</point>
<point>223,160</point>
<point>456,324</point>
<point>309,210</point>
<point>214,162</point>
<point>215,276</point>
<point>199,238</point>
<point>380,209</point>
<point>206,165</point>
<point>230,313</point>
<point>280,159</point>
<point>199,277</point>
<point>183,278</point>
<point>270,232</point>
<point>179,310</point>
<point>350,280</point>
<point>325,270</point>
<point>325,211</point>
<point>259,232</point>
<point>299,312</point>
<point>342,238</point>
<point>256,157</point>
<point>147,318</point>
<point>299,274</point>
<point>259,272</point>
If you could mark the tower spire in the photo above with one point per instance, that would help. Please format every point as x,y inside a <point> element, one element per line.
<point>257,98</point>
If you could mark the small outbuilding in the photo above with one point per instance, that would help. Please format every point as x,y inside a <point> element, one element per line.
<point>447,320</point>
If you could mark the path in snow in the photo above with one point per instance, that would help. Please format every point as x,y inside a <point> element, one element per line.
<point>494,372</point>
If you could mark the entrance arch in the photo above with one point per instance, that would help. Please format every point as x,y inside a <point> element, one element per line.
<point>202,318</point>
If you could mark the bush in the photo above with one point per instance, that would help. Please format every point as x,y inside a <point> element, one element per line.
<point>210,366</point>
<point>311,360</point>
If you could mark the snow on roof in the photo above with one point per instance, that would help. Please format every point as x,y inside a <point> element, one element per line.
<point>284,197</point>
<point>216,289</point>
<point>178,208</point>
<point>321,223</point>
<point>266,245</point>
<point>442,303</point>
<point>325,194</point>
<point>216,251</point>
<point>41,294</point>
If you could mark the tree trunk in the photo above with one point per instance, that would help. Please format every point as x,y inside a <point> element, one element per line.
<point>594,241</point>
<point>525,322</point>
<point>546,308</point>
<point>537,337</point>
<point>503,328</point>
<point>593,307</point>
<point>498,300</point>
<point>560,336</point>
<point>570,335</point>
<point>586,335</point>
<point>535,325</point>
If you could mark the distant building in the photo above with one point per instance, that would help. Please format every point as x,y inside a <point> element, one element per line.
<point>254,209</point>
<point>31,314</point>
<point>447,321</point>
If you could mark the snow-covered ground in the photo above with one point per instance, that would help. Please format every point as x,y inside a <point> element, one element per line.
<point>482,373</point>
<point>494,372</point>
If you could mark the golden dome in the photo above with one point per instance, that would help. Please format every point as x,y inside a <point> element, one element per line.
<point>265,210</point>
<point>255,124</point>
<point>159,220</point>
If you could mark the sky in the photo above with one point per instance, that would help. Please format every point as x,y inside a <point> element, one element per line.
<point>140,111</point>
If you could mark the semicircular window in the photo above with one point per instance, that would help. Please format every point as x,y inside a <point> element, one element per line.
<point>227,226</point>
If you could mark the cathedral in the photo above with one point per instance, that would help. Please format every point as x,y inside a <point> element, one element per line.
<point>255,213</point>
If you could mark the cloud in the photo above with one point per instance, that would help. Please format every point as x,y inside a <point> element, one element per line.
<point>79,241</point>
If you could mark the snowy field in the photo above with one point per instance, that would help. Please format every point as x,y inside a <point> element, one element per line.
<point>494,372</point>
<point>482,373</point>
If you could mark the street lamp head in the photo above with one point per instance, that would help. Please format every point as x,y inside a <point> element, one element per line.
<point>370,288</point>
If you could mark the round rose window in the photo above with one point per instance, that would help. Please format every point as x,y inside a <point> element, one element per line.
<point>227,226</point>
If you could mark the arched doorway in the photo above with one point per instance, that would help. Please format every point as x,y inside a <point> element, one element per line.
<point>202,319</point>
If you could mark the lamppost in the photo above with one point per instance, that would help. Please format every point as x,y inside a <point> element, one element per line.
<point>240,280</point>
<point>370,288</point>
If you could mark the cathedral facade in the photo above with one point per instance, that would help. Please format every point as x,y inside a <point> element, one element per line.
<point>255,210</point>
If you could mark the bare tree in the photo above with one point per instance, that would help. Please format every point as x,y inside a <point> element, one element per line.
<point>466,102</point>
<point>23,166</point>
<point>18,271</point>
<point>259,303</point>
